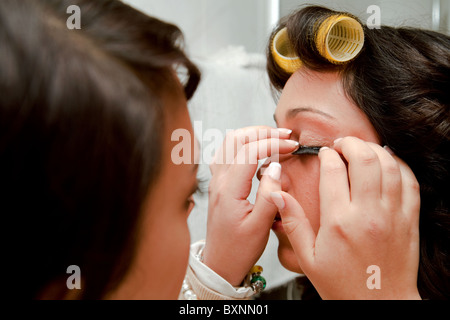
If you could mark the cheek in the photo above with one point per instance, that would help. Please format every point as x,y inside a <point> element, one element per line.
<point>302,182</point>
<point>161,257</point>
<point>170,247</point>
<point>286,255</point>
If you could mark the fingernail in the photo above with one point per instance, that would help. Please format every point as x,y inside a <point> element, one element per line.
<point>337,140</point>
<point>389,150</point>
<point>277,200</point>
<point>274,171</point>
<point>323,148</point>
<point>285,131</point>
<point>292,142</point>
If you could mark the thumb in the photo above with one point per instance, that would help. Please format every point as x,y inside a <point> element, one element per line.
<point>264,210</point>
<point>297,227</point>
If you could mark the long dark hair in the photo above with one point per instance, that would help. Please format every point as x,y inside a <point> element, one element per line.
<point>81,116</point>
<point>401,81</point>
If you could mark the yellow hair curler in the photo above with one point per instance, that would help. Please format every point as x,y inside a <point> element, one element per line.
<point>339,39</point>
<point>283,53</point>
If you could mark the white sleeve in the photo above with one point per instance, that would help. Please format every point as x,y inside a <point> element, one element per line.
<point>207,284</point>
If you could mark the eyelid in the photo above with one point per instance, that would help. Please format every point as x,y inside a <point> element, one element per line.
<point>314,150</point>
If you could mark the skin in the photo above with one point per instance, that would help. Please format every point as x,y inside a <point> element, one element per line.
<point>316,108</point>
<point>236,227</point>
<point>353,206</point>
<point>162,255</point>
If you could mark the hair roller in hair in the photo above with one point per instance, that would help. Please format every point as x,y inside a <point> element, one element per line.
<point>339,39</point>
<point>283,53</point>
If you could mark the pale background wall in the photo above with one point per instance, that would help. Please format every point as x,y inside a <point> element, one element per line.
<point>227,39</point>
<point>210,25</point>
<point>416,13</point>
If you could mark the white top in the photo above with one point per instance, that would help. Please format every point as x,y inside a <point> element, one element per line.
<point>209,285</point>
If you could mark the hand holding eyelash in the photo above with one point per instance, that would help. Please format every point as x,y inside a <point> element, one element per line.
<point>369,216</point>
<point>237,230</point>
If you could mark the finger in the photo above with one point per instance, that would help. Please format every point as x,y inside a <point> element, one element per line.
<point>297,227</point>
<point>364,170</point>
<point>251,134</point>
<point>257,150</point>
<point>236,139</point>
<point>410,190</point>
<point>263,168</point>
<point>264,210</point>
<point>333,184</point>
<point>264,165</point>
<point>246,163</point>
<point>391,178</point>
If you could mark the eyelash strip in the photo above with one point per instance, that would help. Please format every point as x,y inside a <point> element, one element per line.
<point>306,150</point>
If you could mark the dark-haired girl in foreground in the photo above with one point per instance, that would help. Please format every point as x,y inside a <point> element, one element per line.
<point>84,154</point>
<point>86,120</point>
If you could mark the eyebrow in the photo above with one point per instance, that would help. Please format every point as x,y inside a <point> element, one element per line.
<point>292,113</point>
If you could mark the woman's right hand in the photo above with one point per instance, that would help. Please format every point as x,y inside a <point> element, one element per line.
<point>238,231</point>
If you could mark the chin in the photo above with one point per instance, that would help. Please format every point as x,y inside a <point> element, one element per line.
<point>288,259</point>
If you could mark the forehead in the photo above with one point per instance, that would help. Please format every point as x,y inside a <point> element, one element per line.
<point>179,145</point>
<point>321,91</point>
<point>312,99</point>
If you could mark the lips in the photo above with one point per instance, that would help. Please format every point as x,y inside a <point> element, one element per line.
<point>277,225</point>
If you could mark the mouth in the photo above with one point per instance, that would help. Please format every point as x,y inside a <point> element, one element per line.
<point>277,224</point>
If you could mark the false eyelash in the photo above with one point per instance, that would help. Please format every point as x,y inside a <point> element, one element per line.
<point>307,150</point>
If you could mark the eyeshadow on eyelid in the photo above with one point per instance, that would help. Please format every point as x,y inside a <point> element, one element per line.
<point>312,137</point>
<point>315,142</point>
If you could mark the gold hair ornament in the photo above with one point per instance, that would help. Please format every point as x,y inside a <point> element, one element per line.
<point>339,39</point>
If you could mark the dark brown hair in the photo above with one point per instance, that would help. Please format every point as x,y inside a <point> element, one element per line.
<point>401,81</point>
<point>81,116</point>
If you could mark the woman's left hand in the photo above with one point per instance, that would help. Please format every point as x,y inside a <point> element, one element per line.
<point>367,246</point>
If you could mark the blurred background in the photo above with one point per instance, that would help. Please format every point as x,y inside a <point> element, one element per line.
<point>210,26</point>
<point>228,39</point>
